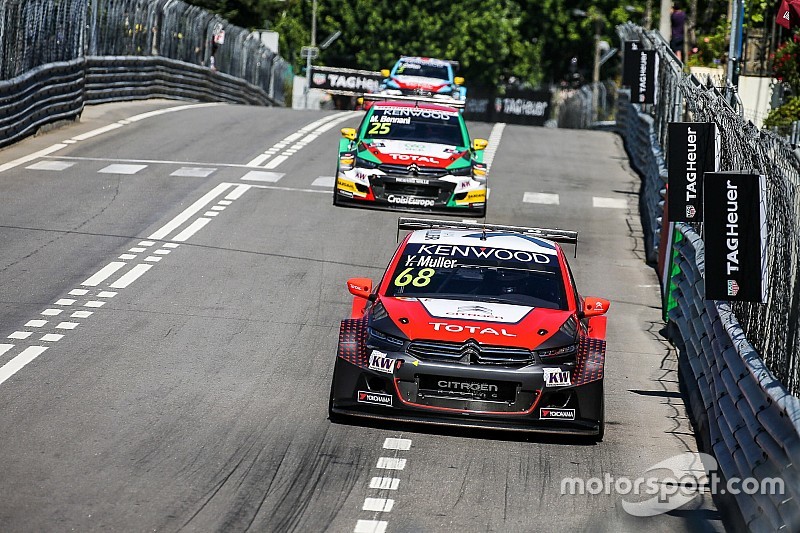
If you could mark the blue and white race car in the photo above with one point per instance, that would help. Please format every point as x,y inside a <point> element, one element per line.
<point>424,76</point>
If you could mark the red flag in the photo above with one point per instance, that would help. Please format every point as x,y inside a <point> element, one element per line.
<point>788,14</point>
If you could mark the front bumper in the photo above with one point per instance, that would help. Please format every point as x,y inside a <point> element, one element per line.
<point>515,399</point>
<point>453,195</point>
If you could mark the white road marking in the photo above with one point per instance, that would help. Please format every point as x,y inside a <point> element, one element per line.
<point>50,165</point>
<point>174,244</point>
<point>127,256</point>
<point>191,229</point>
<point>224,202</point>
<point>148,161</point>
<point>106,294</point>
<point>104,273</point>
<point>122,169</point>
<point>98,131</point>
<point>146,243</point>
<point>81,314</point>
<point>94,303</point>
<point>218,208</point>
<point>35,323</point>
<point>238,191</point>
<point>152,259</point>
<point>391,463</point>
<point>211,213</point>
<point>78,292</point>
<point>70,141</point>
<point>52,312</point>
<point>370,526</point>
<point>30,157</point>
<point>384,483</point>
<point>162,252</point>
<point>67,325</point>
<point>380,505</point>
<point>189,212</point>
<point>130,276</point>
<point>137,118</point>
<point>26,356</point>
<point>612,203</point>
<point>291,189</point>
<point>277,161</point>
<point>193,172</point>
<point>540,198</point>
<point>494,142</point>
<point>257,160</point>
<point>20,335</point>
<point>52,337</point>
<point>5,347</point>
<point>137,250</point>
<point>65,301</point>
<point>324,181</point>
<point>397,444</point>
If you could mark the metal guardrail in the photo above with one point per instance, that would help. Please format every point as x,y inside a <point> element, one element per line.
<point>55,57</point>
<point>747,417</point>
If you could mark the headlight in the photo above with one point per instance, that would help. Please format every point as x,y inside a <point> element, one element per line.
<point>556,352</point>
<point>462,171</point>
<point>479,171</point>
<point>382,340</point>
<point>363,163</point>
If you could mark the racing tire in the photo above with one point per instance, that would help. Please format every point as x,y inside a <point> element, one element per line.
<point>335,418</point>
<point>602,422</point>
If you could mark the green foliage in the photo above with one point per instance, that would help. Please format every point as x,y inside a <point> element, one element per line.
<point>786,64</point>
<point>783,116</point>
<point>712,48</point>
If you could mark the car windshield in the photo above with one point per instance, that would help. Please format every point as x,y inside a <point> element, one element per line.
<point>479,274</point>
<point>408,68</point>
<point>415,124</point>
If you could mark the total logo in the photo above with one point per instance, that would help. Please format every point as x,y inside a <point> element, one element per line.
<point>416,158</point>
<point>376,398</point>
<point>457,328</point>
<point>556,414</point>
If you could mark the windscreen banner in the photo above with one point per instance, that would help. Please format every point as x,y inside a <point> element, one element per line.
<point>693,150</point>
<point>735,235</point>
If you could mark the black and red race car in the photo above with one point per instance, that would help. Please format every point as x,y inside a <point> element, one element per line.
<point>474,325</point>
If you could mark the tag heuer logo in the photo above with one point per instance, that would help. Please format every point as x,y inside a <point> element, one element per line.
<point>690,211</point>
<point>319,79</point>
<point>733,287</point>
<point>786,15</point>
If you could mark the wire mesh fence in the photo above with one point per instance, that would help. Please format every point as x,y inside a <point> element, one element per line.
<point>37,32</point>
<point>773,327</point>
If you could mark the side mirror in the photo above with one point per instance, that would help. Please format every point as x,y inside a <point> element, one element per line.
<point>349,133</point>
<point>594,306</point>
<point>458,80</point>
<point>361,287</point>
<point>479,144</point>
<point>385,72</point>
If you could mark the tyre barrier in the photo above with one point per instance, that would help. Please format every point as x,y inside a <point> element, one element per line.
<point>647,158</point>
<point>742,411</point>
<point>59,91</point>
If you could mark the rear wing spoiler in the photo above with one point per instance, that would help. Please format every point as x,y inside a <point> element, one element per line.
<point>375,97</point>
<point>555,235</point>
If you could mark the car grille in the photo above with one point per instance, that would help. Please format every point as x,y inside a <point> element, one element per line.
<point>411,189</point>
<point>470,353</point>
<point>402,170</point>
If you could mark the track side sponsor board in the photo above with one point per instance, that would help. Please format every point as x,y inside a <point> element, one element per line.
<point>693,151</point>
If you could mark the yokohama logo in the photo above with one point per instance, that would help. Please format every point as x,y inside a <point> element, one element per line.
<point>557,414</point>
<point>374,398</point>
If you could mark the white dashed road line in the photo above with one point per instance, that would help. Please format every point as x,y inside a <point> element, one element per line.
<point>380,505</point>
<point>189,212</point>
<point>370,526</point>
<point>384,483</point>
<point>104,273</point>
<point>28,158</point>
<point>540,198</point>
<point>397,444</point>
<point>494,142</point>
<point>190,230</point>
<point>611,203</point>
<point>26,356</point>
<point>130,276</point>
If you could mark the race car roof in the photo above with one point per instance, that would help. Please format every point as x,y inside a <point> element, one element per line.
<point>490,239</point>
<point>423,105</point>
<point>428,60</point>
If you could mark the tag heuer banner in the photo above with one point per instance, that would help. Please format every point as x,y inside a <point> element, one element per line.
<point>630,62</point>
<point>735,237</point>
<point>643,86</point>
<point>344,80</point>
<point>693,150</point>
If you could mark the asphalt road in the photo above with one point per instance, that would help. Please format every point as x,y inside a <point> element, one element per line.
<point>175,284</point>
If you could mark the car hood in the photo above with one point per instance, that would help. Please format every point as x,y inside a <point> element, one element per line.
<point>421,153</point>
<point>497,324</point>
<point>419,82</point>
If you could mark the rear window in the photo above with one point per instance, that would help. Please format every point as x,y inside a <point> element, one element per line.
<point>479,273</point>
<point>415,124</point>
